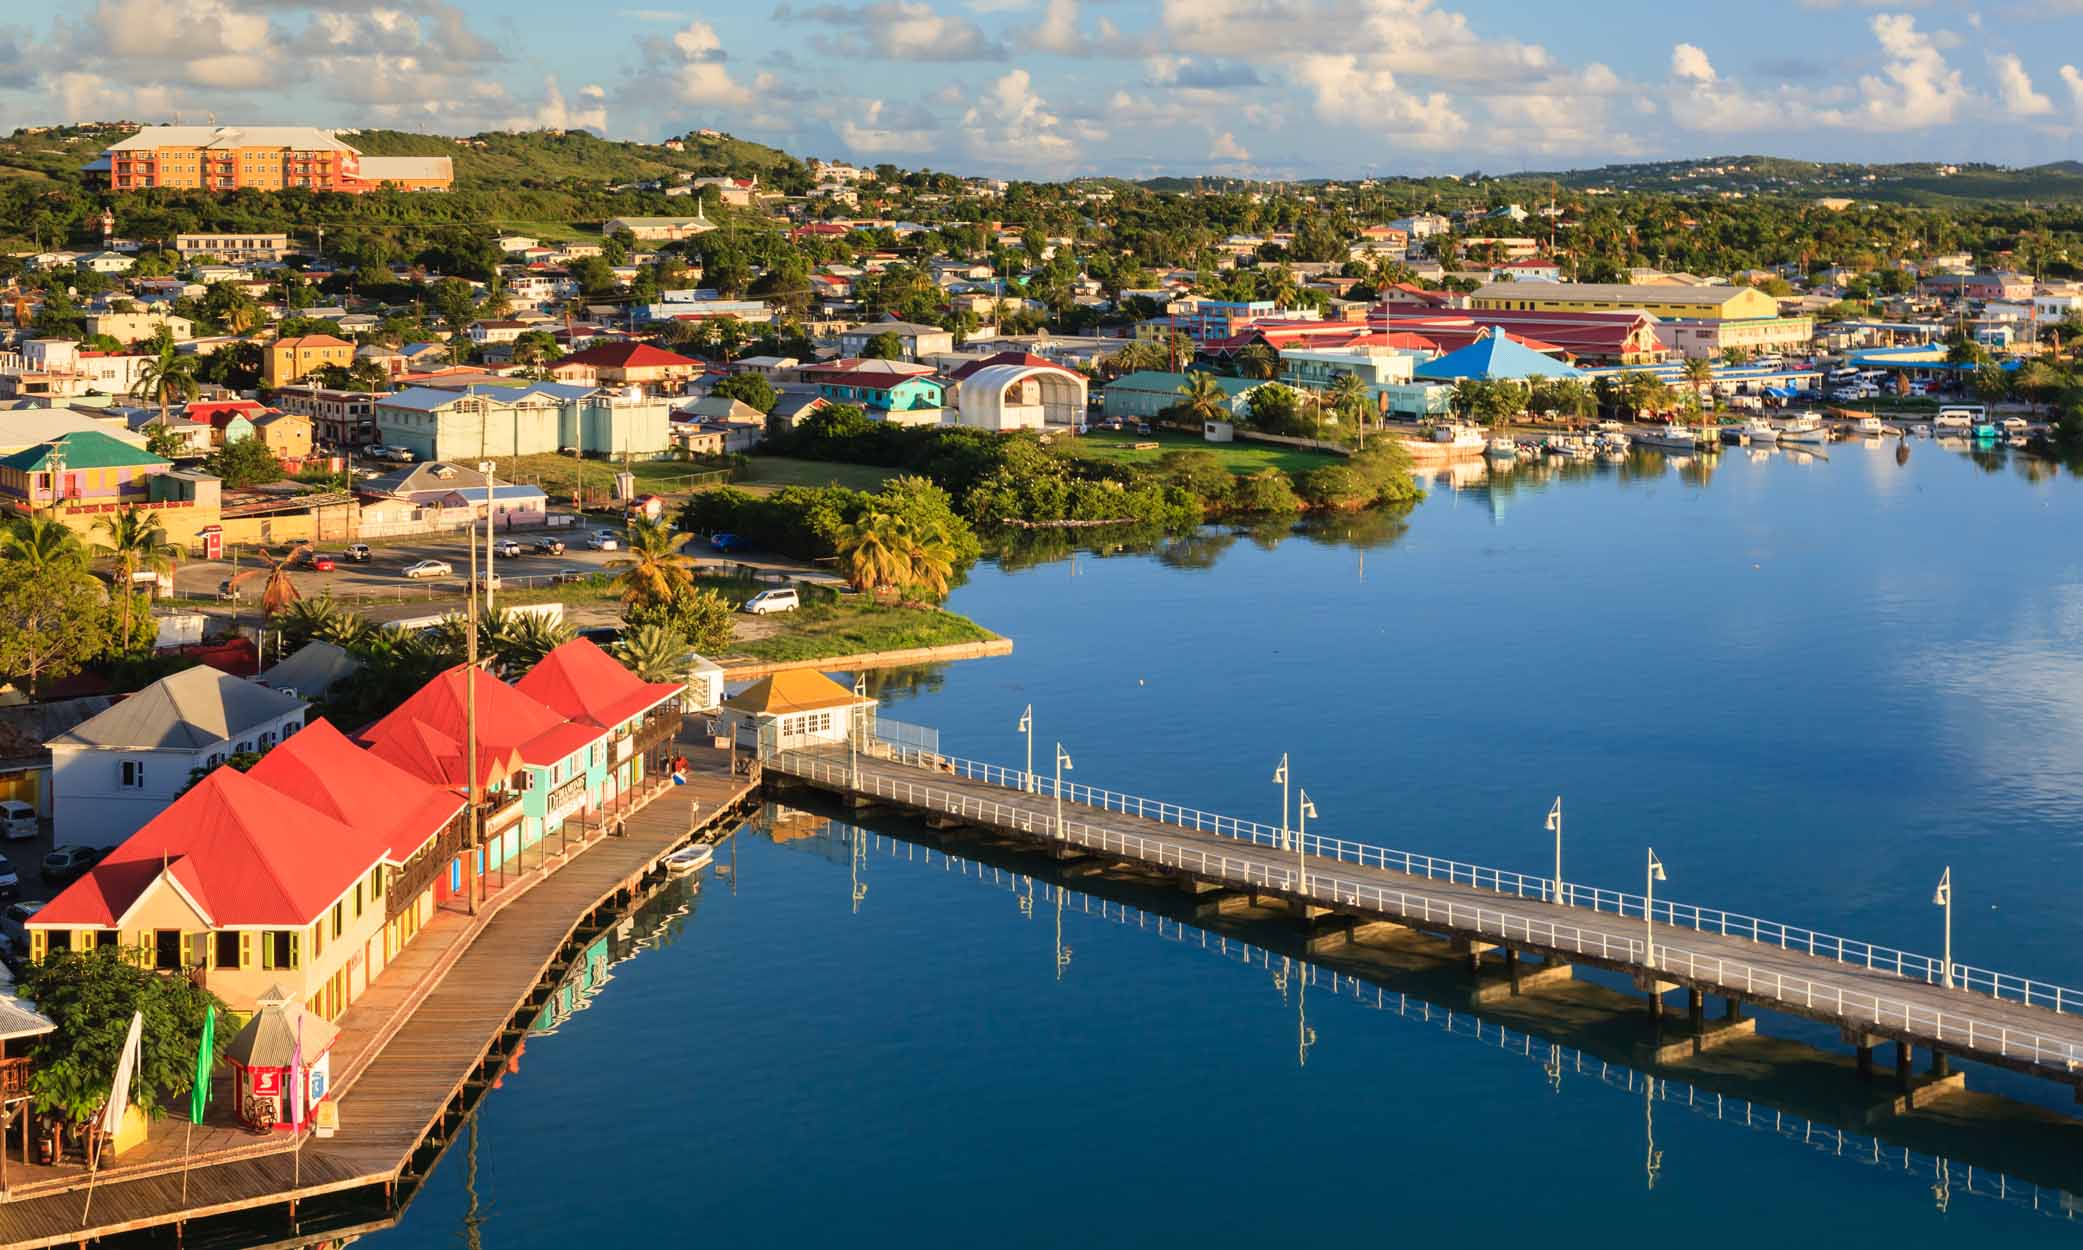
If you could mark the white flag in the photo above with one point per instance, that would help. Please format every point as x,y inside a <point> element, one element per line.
<point>1555,816</point>
<point>296,1077</point>
<point>126,1071</point>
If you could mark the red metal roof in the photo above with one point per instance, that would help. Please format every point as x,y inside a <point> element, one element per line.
<point>424,736</point>
<point>627,356</point>
<point>321,769</point>
<point>244,852</point>
<point>584,683</point>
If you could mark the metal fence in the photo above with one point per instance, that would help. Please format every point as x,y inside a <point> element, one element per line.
<point>1963,1032</point>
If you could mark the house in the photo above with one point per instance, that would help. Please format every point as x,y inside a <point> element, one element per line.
<point>299,872</point>
<point>339,418</point>
<point>140,327</point>
<point>435,493</point>
<point>112,773</point>
<point>475,421</point>
<point>287,434</point>
<point>310,670</point>
<point>1146,394</point>
<point>720,408</point>
<point>795,708</point>
<point>628,364</point>
<point>919,341</point>
<point>587,686</point>
<point>25,762</point>
<point>23,428</point>
<point>237,245</point>
<point>229,420</point>
<point>1531,269</point>
<point>792,407</point>
<point>892,391</point>
<point>286,360</point>
<point>484,332</point>
<point>658,229</point>
<point>78,474</point>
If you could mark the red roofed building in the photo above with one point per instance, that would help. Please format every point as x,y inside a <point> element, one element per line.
<point>627,364</point>
<point>586,685</point>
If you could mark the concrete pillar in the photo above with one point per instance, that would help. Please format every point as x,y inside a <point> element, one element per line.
<point>1734,1010</point>
<point>1511,966</point>
<point>1941,1065</point>
<point>1865,1063</point>
<point>1696,1010</point>
<point>1903,1055</point>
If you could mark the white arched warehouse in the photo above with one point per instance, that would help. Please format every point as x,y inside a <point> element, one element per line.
<point>1022,397</point>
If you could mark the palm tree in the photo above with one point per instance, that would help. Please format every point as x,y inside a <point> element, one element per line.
<point>279,592</point>
<point>1699,375</point>
<point>307,619</point>
<point>874,553</point>
<point>654,571</point>
<point>1205,398</point>
<point>521,639</point>
<point>930,554</point>
<point>654,653</point>
<point>41,542</point>
<point>137,543</point>
<point>1257,361</point>
<point>1348,398</point>
<point>167,374</point>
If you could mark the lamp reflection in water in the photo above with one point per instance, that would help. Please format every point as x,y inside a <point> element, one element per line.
<point>1062,951</point>
<point>858,858</point>
<point>1654,1162</point>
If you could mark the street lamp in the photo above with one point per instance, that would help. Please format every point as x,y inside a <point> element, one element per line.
<point>853,729</point>
<point>1555,827</point>
<point>1943,897</point>
<point>1062,766</point>
<point>1304,809</point>
<point>1027,728</point>
<point>1280,779</point>
<point>1655,874</point>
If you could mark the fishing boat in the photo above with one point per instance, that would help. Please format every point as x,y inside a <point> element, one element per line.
<point>1806,428</point>
<point>1503,449</point>
<point>687,859</point>
<point>1759,430</point>
<point>1868,425</point>
<point>1678,436</point>
<point>1459,437</point>
<point>1986,432</point>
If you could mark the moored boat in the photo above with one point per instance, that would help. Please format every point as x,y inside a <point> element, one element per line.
<point>687,859</point>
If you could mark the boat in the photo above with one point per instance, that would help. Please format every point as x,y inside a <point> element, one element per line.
<point>1678,436</point>
<point>1806,428</point>
<point>1503,448</point>
<point>1614,440</point>
<point>1759,430</point>
<point>1459,437</point>
<point>1986,431</point>
<point>1868,425</point>
<point>687,859</point>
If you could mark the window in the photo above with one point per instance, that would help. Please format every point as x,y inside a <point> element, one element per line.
<point>278,949</point>
<point>56,940</point>
<point>376,884</point>
<point>229,949</point>
<point>132,775</point>
<point>243,748</point>
<point>105,937</point>
<point>267,739</point>
<point>166,950</point>
<point>339,918</point>
<point>357,900</point>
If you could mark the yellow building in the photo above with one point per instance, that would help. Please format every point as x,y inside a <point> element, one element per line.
<point>1713,302</point>
<point>289,359</point>
<point>287,434</point>
<point>262,158</point>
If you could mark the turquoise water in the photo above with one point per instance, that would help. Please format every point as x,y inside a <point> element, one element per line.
<point>1811,685</point>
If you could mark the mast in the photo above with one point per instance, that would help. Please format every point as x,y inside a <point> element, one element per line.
<point>470,721</point>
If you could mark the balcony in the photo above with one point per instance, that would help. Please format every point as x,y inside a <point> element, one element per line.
<point>14,1079</point>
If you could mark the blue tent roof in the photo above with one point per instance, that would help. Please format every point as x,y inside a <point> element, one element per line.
<point>1493,357</point>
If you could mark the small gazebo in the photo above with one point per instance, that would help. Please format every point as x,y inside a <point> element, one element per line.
<point>262,1053</point>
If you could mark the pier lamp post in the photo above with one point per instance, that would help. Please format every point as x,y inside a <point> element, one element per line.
<point>1062,766</point>
<point>853,736</point>
<point>1303,809</point>
<point>1655,874</point>
<point>1280,779</point>
<point>1555,827</point>
<point>1943,897</point>
<point>1027,730</point>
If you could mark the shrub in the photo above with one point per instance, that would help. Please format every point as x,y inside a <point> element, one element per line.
<point>1267,491</point>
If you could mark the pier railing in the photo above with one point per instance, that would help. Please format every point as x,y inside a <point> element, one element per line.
<point>1961,1030</point>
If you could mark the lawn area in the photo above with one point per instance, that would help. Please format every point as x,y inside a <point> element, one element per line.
<point>1238,457</point>
<point>828,626</point>
<point>769,473</point>
<point>561,476</point>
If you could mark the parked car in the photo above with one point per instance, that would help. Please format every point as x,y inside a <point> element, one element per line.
<point>17,819</point>
<point>429,568</point>
<point>10,880</point>
<point>358,553</point>
<point>322,563</point>
<point>769,601</point>
<point>549,547</point>
<point>400,455</point>
<point>602,635</point>
<point>14,922</point>
<point>569,575</point>
<point>506,548</point>
<point>65,864</point>
<point>723,542</point>
<point>603,542</point>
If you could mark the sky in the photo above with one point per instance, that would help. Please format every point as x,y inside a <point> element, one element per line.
<point>1060,88</point>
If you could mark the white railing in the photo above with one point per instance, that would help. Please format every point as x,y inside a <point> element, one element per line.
<point>1961,1032</point>
<point>1849,951</point>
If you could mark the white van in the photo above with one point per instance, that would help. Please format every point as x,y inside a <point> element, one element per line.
<point>773,601</point>
<point>17,819</point>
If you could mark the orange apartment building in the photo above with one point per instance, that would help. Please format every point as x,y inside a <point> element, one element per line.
<point>264,158</point>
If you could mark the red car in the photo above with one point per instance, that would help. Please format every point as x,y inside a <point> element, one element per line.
<point>323,564</point>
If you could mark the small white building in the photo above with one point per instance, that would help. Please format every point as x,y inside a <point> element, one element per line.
<point>796,709</point>
<point>1021,397</point>
<point>112,773</point>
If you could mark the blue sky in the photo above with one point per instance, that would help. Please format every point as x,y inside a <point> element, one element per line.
<point>1052,88</point>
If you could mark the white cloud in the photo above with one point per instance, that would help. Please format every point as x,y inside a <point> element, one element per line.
<point>1058,31</point>
<point>1411,37</point>
<point>1224,147</point>
<point>554,113</point>
<point>1011,123</point>
<point>2014,87</point>
<point>898,30</point>
<point>1347,90</point>
<point>698,41</point>
<point>1691,63</point>
<point>2073,79</point>
<point>1916,88</point>
<point>879,132</point>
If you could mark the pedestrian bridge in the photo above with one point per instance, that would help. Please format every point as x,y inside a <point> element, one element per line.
<point>1872,993</point>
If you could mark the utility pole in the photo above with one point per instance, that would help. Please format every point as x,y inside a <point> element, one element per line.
<point>470,725</point>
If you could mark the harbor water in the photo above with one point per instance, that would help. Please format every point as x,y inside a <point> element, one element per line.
<point>1811,684</point>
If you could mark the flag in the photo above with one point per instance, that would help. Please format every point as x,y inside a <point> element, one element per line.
<point>1555,816</point>
<point>205,1059</point>
<point>296,1077</point>
<point>126,1070</point>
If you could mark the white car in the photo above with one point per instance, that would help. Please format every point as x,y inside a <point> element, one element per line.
<point>430,568</point>
<point>767,601</point>
<point>506,548</point>
<point>603,542</point>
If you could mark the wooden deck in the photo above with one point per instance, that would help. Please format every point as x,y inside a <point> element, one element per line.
<point>412,1048</point>
<point>1870,1004</point>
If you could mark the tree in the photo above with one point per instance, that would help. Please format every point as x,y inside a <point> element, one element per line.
<point>1699,375</point>
<point>749,389</point>
<point>137,543</point>
<point>518,641</point>
<point>1348,398</point>
<point>701,617</point>
<point>655,653</point>
<point>1991,383</point>
<point>279,592</point>
<point>1205,399</point>
<point>50,621</point>
<point>1257,361</point>
<point>167,375</point>
<point>91,996</point>
<point>654,571</point>
<point>1267,492</point>
<point>41,543</point>
<point>247,462</point>
<point>884,346</point>
<point>874,554</point>
<point>304,620</point>
<point>164,441</point>
<point>456,301</point>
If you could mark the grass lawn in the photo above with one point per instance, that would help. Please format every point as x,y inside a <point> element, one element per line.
<point>1239,457</point>
<point>770,473</point>
<point>853,625</point>
<point>562,475</point>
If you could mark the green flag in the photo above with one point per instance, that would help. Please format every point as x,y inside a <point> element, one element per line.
<point>205,1059</point>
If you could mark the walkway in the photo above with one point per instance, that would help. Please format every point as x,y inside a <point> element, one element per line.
<point>2017,1024</point>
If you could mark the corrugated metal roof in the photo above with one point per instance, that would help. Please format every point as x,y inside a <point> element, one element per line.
<point>194,708</point>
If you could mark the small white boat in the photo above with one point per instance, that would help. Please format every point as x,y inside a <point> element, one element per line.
<point>1504,449</point>
<point>1459,437</point>
<point>1680,437</point>
<point>1759,430</point>
<point>687,859</point>
<point>1868,425</point>
<point>1806,428</point>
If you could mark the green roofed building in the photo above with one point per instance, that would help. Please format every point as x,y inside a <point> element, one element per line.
<point>82,469</point>
<point>1142,395</point>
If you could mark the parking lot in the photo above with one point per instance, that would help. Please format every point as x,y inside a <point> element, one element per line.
<point>25,856</point>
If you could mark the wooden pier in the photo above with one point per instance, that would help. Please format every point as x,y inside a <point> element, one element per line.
<point>450,1033</point>
<point>1872,995</point>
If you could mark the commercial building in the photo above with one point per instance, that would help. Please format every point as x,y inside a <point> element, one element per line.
<point>658,229</point>
<point>138,327</point>
<point>1710,302</point>
<point>920,341</point>
<point>1709,338</point>
<point>262,158</point>
<point>237,245</point>
<point>287,360</point>
<point>339,418</point>
<point>628,364</point>
<point>1020,394</point>
<point>1147,394</point>
<point>473,422</point>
